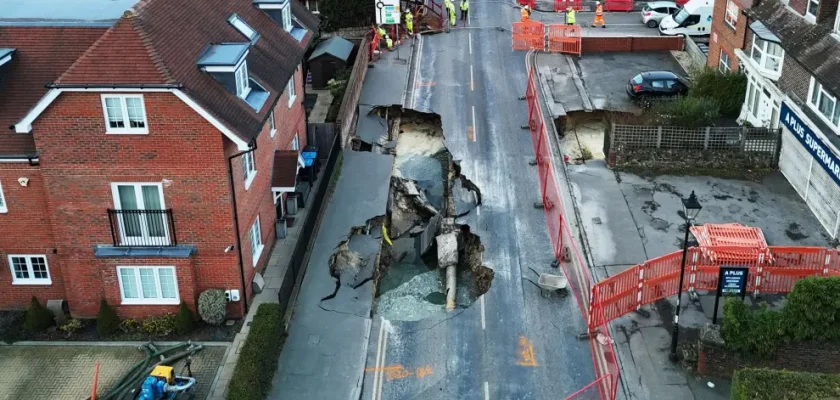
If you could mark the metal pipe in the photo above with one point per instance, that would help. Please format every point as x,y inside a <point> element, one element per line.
<point>450,288</point>
<point>236,222</point>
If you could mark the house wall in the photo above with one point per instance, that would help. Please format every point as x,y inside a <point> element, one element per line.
<point>726,38</point>
<point>79,161</point>
<point>26,229</point>
<point>800,6</point>
<point>795,80</point>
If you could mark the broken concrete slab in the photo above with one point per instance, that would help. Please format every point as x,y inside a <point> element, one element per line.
<point>385,81</point>
<point>447,249</point>
<point>371,128</point>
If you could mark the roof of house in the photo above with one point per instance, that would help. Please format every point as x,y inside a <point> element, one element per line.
<point>285,169</point>
<point>811,45</point>
<point>335,46</point>
<point>41,55</point>
<point>101,13</point>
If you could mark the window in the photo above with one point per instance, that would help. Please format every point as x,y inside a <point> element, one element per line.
<point>312,5</point>
<point>296,142</point>
<point>148,285</point>
<point>249,168</point>
<point>657,84</point>
<point>824,103</point>
<point>767,55</point>
<point>272,124</point>
<point>723,64</point>
<point>811,12</point>
<point>837,24</point>
<point>256,241</point>
<point>143,220</point>
<point>753,96</point>
<point>290,89</point>
<point>243,28</point>
<point>3,208</point>
<point>287,17</point>
<point>29,269</point>
<point>124,114</point>
<point>731,16</point>
<point>243,86</point>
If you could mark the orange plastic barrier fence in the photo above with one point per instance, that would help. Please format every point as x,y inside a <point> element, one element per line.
<point>562,5</point>
<point>530,3</point>
<point>618,5</point>
<point>564,39</point>
<point>774,271</point>
<point>529,35</point>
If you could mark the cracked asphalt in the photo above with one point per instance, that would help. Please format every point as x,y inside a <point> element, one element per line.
<point>512,343</point>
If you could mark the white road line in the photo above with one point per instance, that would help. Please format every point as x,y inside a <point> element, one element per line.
<point>472,86</point>
<point>413,102</point>
<point>486,390</point>
<point>382,367</point>
<point>483,319</point>
<point>478,212</point>
<point>475,128</point>
<point>376,366</point>
<point>470,37</point>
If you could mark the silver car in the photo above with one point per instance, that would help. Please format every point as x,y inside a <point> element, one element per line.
<point>653,12</point>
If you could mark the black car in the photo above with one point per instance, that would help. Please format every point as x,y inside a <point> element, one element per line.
<point>656,84</point>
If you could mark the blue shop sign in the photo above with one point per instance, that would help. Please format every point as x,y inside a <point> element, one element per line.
<point>821,152</point>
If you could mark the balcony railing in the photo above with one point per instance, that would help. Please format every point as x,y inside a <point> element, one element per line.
<point>142,228</point>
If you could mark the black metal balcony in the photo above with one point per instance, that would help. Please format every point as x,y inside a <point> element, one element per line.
<point>142,228</point>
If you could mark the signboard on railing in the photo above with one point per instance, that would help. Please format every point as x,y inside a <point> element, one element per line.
<point>387,12</point>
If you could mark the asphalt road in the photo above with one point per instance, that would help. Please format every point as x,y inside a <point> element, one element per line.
<point>512,343</point>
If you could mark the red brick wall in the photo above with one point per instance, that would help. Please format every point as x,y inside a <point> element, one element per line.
<point>799,5</point>
<point>595,44</point>
<point>724,37</point>
<point>827,11</point>
<point>26,229</point>
<point>714,360</point>
<point>795,80</point>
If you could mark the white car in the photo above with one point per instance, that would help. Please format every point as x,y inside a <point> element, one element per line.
<point>653,12</point>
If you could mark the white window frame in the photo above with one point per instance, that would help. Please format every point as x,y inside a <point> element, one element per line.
<point>127,129</point>
<point>291,91</point>
<point>723,65</point>
<point>287,17</point>
<point>243,84</point>
<point>144,237</point>
<point>808,15</point>
<point>243,28</point>
<point>309,7</point>
<point>837,24</point>
<point>272,124</point>
<point>249,168</point>
<point>296,142</point>
<point>140,300</point>
<point>765,56</point>
<point>31,280</point>
<point>4,205</point>
<point>815,105</point>
<point>255,237</point>
<point>730,14</point>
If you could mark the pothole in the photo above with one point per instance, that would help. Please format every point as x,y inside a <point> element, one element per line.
<point>428,249</point>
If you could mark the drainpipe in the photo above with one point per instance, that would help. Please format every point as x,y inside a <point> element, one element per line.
<point>253,148</point>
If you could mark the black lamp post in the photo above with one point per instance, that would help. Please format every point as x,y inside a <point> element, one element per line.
<point>691,207</point>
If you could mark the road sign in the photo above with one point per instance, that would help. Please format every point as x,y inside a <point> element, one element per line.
<point>387,12</point>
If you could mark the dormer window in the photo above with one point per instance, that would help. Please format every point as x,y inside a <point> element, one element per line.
<point>243,86</point>
<point>279,10</point>
<point>5,55</point>
<point>244,28</point>
<point>287,17</point>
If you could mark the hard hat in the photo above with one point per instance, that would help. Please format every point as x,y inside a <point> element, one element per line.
<point>597,3</point>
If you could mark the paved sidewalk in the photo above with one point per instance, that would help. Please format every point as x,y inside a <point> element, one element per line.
<point>66,372</point>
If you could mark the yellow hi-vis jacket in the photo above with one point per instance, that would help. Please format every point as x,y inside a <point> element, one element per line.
<point>465,5</point>
<point>570,16</point>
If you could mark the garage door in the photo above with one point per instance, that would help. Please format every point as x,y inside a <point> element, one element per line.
<point>811,181</point>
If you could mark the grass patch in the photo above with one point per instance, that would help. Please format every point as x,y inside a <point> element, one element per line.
<point>585,153</point>
<point>768,384</point>
<point>258,358</point>
<point>336,174</point>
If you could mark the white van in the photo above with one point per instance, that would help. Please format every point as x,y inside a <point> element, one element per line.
<point>694,19</point>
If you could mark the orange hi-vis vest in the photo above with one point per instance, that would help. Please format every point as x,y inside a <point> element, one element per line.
<point>525,14</point>
<point>599,11</point>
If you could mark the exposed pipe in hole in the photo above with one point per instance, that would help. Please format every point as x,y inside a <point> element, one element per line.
<point>450,288</point>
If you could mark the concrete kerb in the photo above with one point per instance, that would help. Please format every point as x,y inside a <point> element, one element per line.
<point>108,344</point>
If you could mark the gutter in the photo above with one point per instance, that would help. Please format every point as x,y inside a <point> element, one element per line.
<point>236,223</point>
<point>113,86</point>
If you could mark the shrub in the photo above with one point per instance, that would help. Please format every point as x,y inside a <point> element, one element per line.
<point>258,357</point>
<point>159,325</point>
<point>38,317</point>
<point>212,306</point>
<point>107,321</point>
<point>727,89</point>
<point>813,309</point>
<point>72,326</point>
<point>688,112</point>
<point>129,325</point>
<point>184,320</point>
<point>755,333</point>
<point>768,384</point>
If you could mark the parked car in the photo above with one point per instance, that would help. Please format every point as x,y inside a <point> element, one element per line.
<point>654,11</point>
<point>652,84</point>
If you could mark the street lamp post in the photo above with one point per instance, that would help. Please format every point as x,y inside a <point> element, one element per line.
<point>691,207</point>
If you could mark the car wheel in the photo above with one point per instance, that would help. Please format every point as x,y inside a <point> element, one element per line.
<point>652,24</point>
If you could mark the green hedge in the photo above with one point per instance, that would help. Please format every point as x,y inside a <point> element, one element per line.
<point>768,384</point>
<point>726,89</point>
<point>258,358</point>
<point>812,313</point>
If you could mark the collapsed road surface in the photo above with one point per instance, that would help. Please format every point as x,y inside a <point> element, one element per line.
<point>512,343</point>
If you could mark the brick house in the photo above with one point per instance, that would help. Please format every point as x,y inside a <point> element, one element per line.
<point>790,52</point>
<point>149,150</point>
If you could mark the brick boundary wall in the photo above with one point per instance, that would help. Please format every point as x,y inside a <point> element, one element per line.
<point>599,44</point>
<point>714,360</point>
